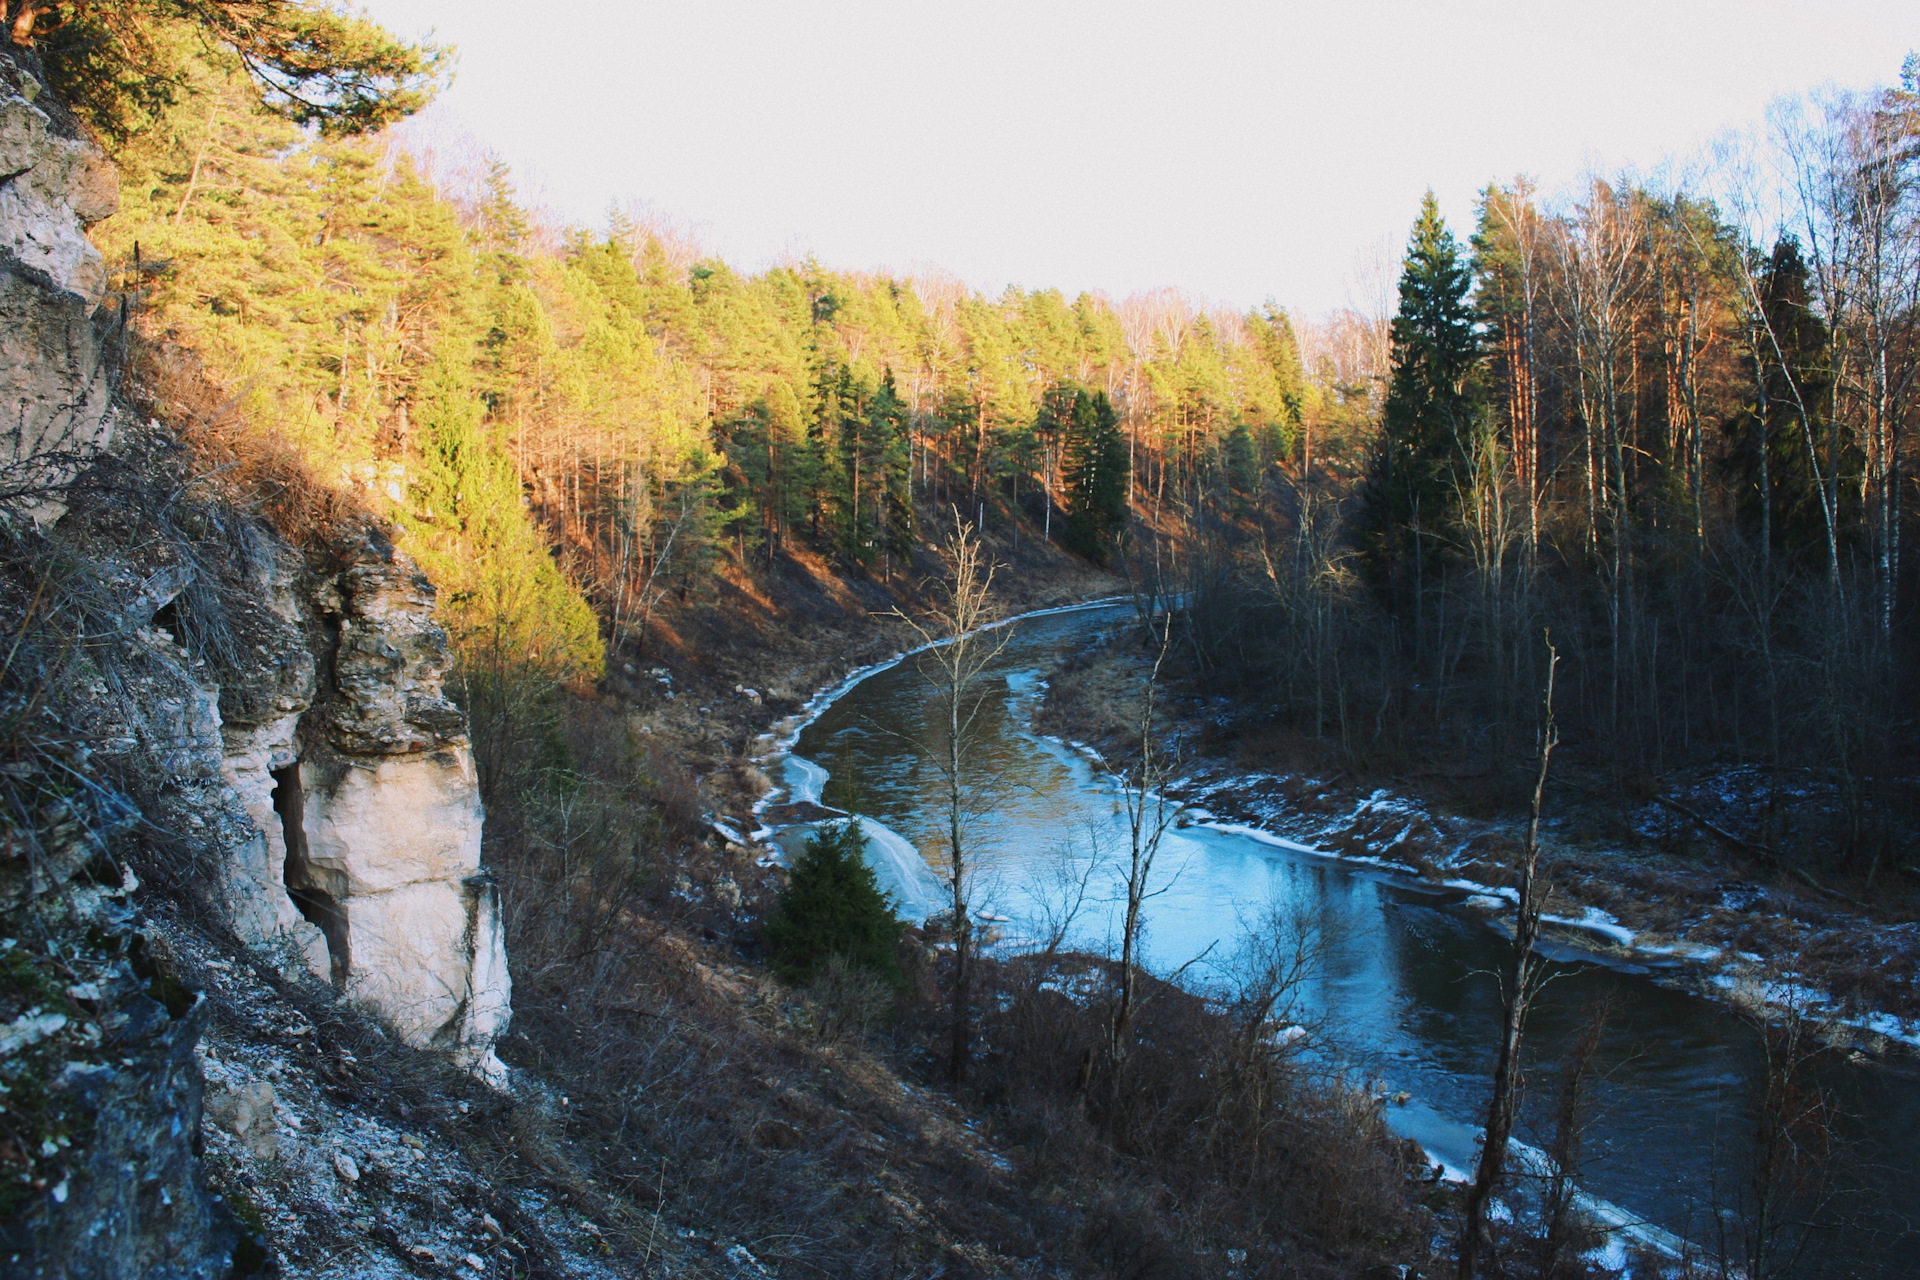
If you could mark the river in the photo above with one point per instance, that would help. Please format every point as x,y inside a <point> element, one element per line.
<point>1405,986</point>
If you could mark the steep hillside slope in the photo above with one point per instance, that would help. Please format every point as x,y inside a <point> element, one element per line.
<point>280,995</point>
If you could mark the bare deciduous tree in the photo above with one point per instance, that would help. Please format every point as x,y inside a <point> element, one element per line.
<point>1785,1194</point>
<point>1522,982</point>
<point>1141,784</point>
<point>959,648</point>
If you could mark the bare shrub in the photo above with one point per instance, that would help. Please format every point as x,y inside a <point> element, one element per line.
<point>847,1000</point>
<point>1257,1150</point>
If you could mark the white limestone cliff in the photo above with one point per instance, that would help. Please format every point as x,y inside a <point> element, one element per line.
<point>246,724</point>
<point>53,186</point>
<point>362,788</point>
<point>260,725</point>
<point>53,379</point>
<point>319,754</point>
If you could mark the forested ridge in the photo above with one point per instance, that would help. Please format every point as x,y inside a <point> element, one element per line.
<point>1619,416</point>
<point>659,416</point>
<point>1665,429</point>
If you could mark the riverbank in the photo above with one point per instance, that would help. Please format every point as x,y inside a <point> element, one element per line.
<point>815,1128</point>
<point>1208,1147</point>
<point>1048,821</point>
<point>1730,929</point>
<point>703,700</point>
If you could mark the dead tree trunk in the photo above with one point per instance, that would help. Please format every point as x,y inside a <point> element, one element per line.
<point>1522,982</point>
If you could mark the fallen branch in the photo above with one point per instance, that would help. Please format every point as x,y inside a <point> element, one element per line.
<point>1771,856</point>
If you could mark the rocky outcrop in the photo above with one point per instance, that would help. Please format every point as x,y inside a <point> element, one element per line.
<point>305,771</point>
<point>316,752</point>
<point>53,379</point>
<point>109,1090</point>
<point>53,186</point>
<point>100,1175</point>
<point>390,665</point>
<point>272,724</point>
<point>260,707</point>
<point>362,862</point>
<point>386,853</point>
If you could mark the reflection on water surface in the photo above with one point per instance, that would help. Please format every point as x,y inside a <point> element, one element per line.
<point>1406,985</point>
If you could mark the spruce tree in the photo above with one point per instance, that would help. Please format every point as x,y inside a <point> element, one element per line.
<point>1435,393</point>
<point>833,906</point>
<point>888,458</point>
<point>1097,476</point>
<point>1790,402</point>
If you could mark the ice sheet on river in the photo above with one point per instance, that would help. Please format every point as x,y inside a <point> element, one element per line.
<point>916,888</point>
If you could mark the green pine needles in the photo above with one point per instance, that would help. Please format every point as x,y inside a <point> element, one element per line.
<point>833,906</point>
<point>123,66</point>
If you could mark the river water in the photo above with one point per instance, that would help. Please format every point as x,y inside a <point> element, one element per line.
<point>1405,984</point>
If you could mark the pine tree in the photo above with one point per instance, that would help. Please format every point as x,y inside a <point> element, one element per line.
<point>501,224</point>
<point>1050,426</point>
<point>834,434</point>
<point>123,66</point>
<point>833,906</point>
<point>1283,405</point>
<point>519,629</point>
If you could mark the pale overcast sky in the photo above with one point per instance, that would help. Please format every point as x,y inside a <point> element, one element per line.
<point>1235,150</point>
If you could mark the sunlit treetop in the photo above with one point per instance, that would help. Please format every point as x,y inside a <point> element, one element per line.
<point>121,63</point>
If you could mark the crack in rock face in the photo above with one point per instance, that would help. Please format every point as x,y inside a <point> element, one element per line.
<point>359,777</point>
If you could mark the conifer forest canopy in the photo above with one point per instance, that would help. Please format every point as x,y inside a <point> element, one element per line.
<point>1608,508</point>
<point>1682,445</point>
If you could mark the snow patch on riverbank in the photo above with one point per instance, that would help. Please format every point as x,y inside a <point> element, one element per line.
<point>787,732</point>
<point>1485,897</point>
<point>917,889</point>
<point>1721,972</point>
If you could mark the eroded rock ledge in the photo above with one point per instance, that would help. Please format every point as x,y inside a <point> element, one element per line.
<point>364,861</point>
<point>272,723</point>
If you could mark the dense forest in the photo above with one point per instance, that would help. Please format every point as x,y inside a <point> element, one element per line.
<point>1676,439</point>
<point>1660,430</point>
<point>1672,435</point>
<point>659,416</point>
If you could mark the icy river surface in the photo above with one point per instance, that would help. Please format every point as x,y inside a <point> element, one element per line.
<point>1406,986</point>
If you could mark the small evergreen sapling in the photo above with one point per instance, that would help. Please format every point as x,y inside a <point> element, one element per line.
<point>833,906</point>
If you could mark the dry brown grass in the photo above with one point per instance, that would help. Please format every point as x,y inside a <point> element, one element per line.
<point>251,466</point>
<point>690,1089</point>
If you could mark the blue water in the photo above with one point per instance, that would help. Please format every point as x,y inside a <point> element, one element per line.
<point>1402,992</point>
